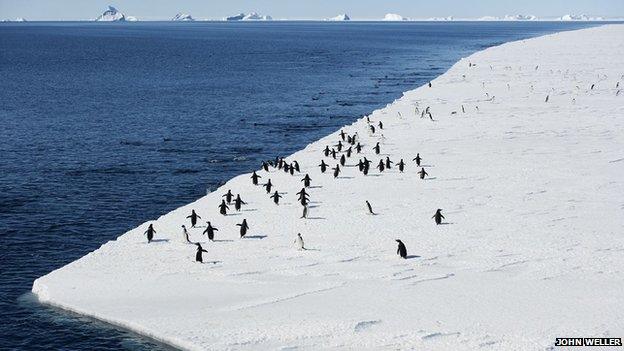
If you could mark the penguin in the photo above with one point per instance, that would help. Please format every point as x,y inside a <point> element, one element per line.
<point>401,165</point>
<point>302,193</point>
<point>349,139</point>
<point>358,147</point>
<point>372,128</point>
<point>305,212</point>
<point>438,216</point>
<point>333,153</point>
<point>417,159</point>
<point>377,148</point>
<point>326,151</point>
<point>422,173</point>
<point>343,160</point>
<point>210,231</point>
<point>299,242</point>
<point>185,235</point>
<point>342,134</point>
<point>323,166</point>
<point>381,166</point>
<point>401,250</point>
<point>336,171</point>
<point>349,151</point>
<point>193,218</point>
<point>380,125</point>
<point>243,228</point>
<point>254,178</point>
<point>228,196</point>
<point>286,167</point>
<point>268,185</point>
<point>360,165</point>
<point>276,196</point>
<point>370,208</point>
<point>366,168</point>
<point>547,97</point>
<point>223,208</point>
<point>592,87</point>
<point>265,166</point>
<point>198,255</point>
<point>150,233</point>
<point>280,163</point>
<point>388,162</point>
<point>296,164</point>
<point>306,180</point>
<point>339,146</point>
<point>429,84</point>
<point>292,170</point>
<point>238,203</point>
<point>463,109</point>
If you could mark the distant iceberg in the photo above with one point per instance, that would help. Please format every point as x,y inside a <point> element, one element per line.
<point>449,18</point>
<point>509,18</point>
<point>111,15</point>
<point>18,19</point>
<point>253,16</point>
<point>183,17</point>
<point>579,18</point>
<point>342,17</point>
<point>394,17</point>
<point>131,19</point>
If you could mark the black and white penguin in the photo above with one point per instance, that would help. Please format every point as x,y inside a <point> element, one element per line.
<point>349,151</point>
<point>254,178</point>
<point>150,233</point>
<point>388,162</point>
<point>401,165</point>
<point>417,159</point>
<point>223,208</point>
<point>370,208</point>
<point>339,146</point>
<point>299,242</point>
<point>358,147</point>
<point>336,171</point>
<point>265,166</point>
<point>422,173</point>
<point>193,218</point>
<point>360,165</point>
<point>323,166</point>
<point>292,170</point>
<point>343,160</point>
<point>380,125</point>
<point>381,166</point>
<point>429,84</point>
<point>296,166</point>
<point>198,255</point>
<point>333,153</point>
<point>372,128</point>
<point>238,202</point>
<point>438,217</point>
<point>268,185</point>
<point>306,180</point>
<point>377,149</point>
<point>243,228</point>
<point>326,151</point>
<point>342,134</point>
<point>185,235</point>
<point>276,196</point>
<point>401,250</point>
<point>228,196</point>
<point>210,231</point>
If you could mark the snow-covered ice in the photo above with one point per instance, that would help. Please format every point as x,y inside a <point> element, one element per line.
<point>111,15</point>
<point>183,17</point>
<point>394,17</point>
<point>531,247</point>
<point>341,17</point>
<point>253,16</point>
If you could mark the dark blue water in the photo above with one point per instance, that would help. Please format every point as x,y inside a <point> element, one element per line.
<point>105,126</point>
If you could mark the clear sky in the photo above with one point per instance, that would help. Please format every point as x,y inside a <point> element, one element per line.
<point>310,9</point>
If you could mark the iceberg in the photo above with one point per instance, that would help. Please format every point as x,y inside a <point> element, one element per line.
<point>256,17</point>
<point>18,19</point>
<point>183,17</point>
<point>342,17</point>
<point>111,15</point>
<point>449,18</point>
<point>520,18</point>
<point>394,17</point>
<point>582,17</point>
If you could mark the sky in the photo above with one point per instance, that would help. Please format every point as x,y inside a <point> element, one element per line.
<point>311,9</point>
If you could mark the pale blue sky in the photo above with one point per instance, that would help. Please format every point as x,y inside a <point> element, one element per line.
<point>299,9</point>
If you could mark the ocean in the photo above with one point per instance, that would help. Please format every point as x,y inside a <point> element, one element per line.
<point>108,125</point>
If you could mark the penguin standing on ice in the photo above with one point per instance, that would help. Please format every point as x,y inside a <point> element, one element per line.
<point>254,178</point>
<point>343,160</point>
<point>326,151</point>
<point>292,170</point>
<point>238,203</point>
<point>360,165</point>
<point>349,151</point>
<point>339,146</point>
<point>401,250</point>
<point>358,147</point>
<point>303,196</point>
<point>333,153</point>
<point>276,196</point>
<point>286,167</point>
<point>299,242</point>
<point>381,166</point>
<point>377,149</point>
<point>150,233</point>
<point>438,217</point>
<point>268,185</point>
<point>210,231</point>
<point>228,196</point>
<point>193,218</point>
<point>223,208</point>
<point>305,212</point>
<point>296,166</point>
<point>185,235</point>
<point>372,128</point>
<point>388,162</point>
<point>323,166</point>
<point>265,166</point>
<point>401,165</point>
<point>198,255</point>
<point>336,171</point>
<point>342,134</point>
<point>370,208</point>
<point>380,125</point>
<point>417,159</point>
<point>422,173</point>
<point>243,228</point>
<point>429,84</point>
<point>306,180</point>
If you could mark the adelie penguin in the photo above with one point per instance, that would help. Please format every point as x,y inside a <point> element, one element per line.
<point>193,218</point>
<point>243,228</point>
<point>223,208</point>
<point>377,149</point>
<point>292,170</point>
<point>438,217</point>
<point>360,165</point>
<point>268,185</point>
<point>417,159</point>
<point>333,153</point>
<point>304,214</point>
<point>401,165</point>
<point>306,180</point>
<point>372,128</point>
<point>238,203</point>
<point>349,151</point>
<point>150,233</point>
<point>299,242</point>
<point>336,171</point>
<point>401,250</point>
<point>228,196</point>
<point>381,166</point>
<point>343,160</point>
<point>254,178</point>
<point>198,255</point>
<point>265,166</point>
<point>185,235</point>
<point>339,146</point>
<point>276,196</point>
<point>380,125</point>
<point>323,166</point>
<point>295,164</point>
<point>388,163</point>
<point>422,173</point>
<point>370,208</point>
<point>342,134</point>
<point>326,151</point>
<point>358,148</point>
<point>210,231</point>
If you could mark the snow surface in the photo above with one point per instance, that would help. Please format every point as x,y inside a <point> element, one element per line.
<point>342,17</point>
<point>394,17</point>
<point>183,17</point>
<point>532,247</point>
<point>111,15</point>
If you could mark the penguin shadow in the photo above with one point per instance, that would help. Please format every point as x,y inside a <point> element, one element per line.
<point>259,237</point>
<point>213,262</point>
<point>373,175</point>
<point>223,241</point>
<point>315,218</point>
<point>426,166</point>
<point>409,257</point>
<point>431,178</point>
<point>250,210</point>
<point>307,249</point>
<point>159,241</point>
<point>233,214</point>
<point>316,187</point>
<point>342,177</point>
<point>446,223</point>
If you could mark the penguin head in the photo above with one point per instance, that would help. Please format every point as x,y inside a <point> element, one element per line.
<point>183,226</point>
<point>398,241</point>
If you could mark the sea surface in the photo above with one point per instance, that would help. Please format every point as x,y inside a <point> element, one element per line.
<point>104,126</point>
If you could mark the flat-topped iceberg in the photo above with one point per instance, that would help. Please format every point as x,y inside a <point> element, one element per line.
<point>582,17</point>
<point>253,16</point>
<point>18,19</point>
<point>111,15</point>
<point>183,17</point>
<point>394,17</point>
<point>341,17</point>
<point>442,19</point>
<point>520,18</point>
